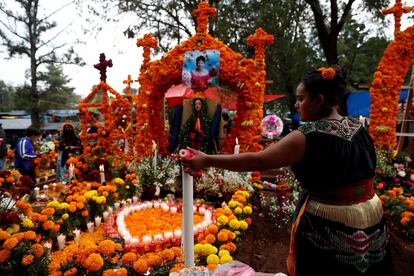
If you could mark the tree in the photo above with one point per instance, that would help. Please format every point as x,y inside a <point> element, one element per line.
<point>6,97</point>
<point>339,13</point>
<point>25,32</point>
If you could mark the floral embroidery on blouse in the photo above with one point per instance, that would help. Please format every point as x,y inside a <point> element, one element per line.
<point>345,128</point>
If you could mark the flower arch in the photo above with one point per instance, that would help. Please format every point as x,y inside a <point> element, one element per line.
<point>388,80</point>
<point>246,77</point>
<point>112,110</point>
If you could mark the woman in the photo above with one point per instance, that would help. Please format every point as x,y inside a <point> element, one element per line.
<point>339,228</point>
<point>200,77</point>
<point>68,143</point>
<point>196,131</point>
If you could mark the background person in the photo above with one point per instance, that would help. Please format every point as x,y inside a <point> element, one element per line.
<point>25,153</point>
<point>339,227</point>
<point>3,149</point>
<point>68,142</point>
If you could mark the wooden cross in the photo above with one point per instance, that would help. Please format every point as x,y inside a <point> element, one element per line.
<point>147,42</point>
<point>201,14</point>
<point>397,10</point>
<point>128,83</point>
<point>101,66</point>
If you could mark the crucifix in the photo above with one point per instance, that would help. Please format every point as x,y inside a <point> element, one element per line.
<point>201,14</point>
<point>128,83</point>
<point>397,10</point>
<point>101,66</point>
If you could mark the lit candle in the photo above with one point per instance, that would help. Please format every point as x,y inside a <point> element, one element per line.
<point>98,221</point>
<point>237,147</point>
<point>90,226</point>
<point>155,153</point>
<point>61,241</point>
<point>77,236</point>
<point>102,173</point>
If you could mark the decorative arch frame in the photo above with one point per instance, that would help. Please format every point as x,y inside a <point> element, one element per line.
<point>246,77</point>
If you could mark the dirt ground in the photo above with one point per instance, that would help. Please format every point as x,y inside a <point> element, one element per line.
<point>265,246</point>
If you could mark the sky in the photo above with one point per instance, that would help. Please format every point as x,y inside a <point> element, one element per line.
<point>125,55</point>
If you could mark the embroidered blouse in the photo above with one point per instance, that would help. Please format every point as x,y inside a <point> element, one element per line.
<point>337,153</point>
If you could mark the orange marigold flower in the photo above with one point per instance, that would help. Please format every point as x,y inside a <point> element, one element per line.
<point>177,251</point>
<point>327,73</point>
<point>405,220</point>
<point>106,247</point>
<point>4,255</point>
<point>48,211</point>
<point>141,266</point>
<point>93,262</point>
<point>210,238</point>
<point>28,259</point>
<point>122,272</point>
<point>222,236</point>
<point>128,258</point>
<point>3,235</point>
<point>29,235</point>
<point>211,266</point>
<point>38,250</point>
<point>85,213</point>
<point>19,236</point>
<point>47,225</point>
<point>212,229</point>
<point>71,272</point>
<point>109,272</point>
<point>167,255</point>
<point>10,243</point>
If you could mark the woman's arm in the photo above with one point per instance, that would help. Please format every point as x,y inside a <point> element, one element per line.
<point>287,151</point>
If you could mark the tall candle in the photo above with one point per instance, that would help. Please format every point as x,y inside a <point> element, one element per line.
<point>61,241</point>
<point>102,173</point>
<point>155,154</point>
<point>77,236</point>
<point>237,147</point>
<point>90,226</point>
<point>105,215</point>
<point>188,220</point>
<point>71,169</point>
<point>98,221</point>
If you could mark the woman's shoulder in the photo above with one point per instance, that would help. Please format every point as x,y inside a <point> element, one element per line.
<point>345,128</point>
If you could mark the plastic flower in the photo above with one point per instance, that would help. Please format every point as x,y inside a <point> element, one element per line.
<point>213,259</point>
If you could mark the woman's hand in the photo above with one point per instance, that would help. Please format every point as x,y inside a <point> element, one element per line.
<point>197,162</point>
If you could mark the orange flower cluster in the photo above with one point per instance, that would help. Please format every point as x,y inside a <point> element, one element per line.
<point>386,87</point>
<point>327,73</point>
<point>155,221</point>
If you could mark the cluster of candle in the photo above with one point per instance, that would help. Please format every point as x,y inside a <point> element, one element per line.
<point>115,223</point>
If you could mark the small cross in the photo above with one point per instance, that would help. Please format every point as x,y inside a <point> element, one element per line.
<point>128,83</point>
<point>260,39</point>
<point>101,66</point>
<point>201,14</point>
<point>397,10</point>
<point>147,42</point>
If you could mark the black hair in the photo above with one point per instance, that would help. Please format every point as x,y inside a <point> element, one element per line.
<point>333,90</point>
<point>200,58</point>
<point>32,131</point>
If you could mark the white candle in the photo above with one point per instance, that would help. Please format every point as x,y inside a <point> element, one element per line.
<point>168,235</point>
<point>135,199</point>
<point>90,226</point>
<point>110,210</point>
<point>61,241</point>
<point>77,236</point>
<point>188,220</point>
<point>173,210</point>
<point>46,177</point>
<point>155,153</point>
<point>177,233</point>
<point>146,239</point>
<point>116,205</point>
<point>237,147</point>
<point>71,169</point>
<point>54,187</point>
<point>47,246</point>
<point>102,173</point>
<point>105,215</point>
<point>36,191</point>
<point>98,221</point>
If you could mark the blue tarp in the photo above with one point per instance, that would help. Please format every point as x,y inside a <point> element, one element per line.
<point>358,103</point>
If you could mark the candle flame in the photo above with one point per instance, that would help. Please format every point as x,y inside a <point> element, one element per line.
<point>237,141</point>
<point>153,142</point>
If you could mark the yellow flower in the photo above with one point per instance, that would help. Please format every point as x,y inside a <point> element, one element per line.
<point>197,248</point>
<point>225,259</point>
<point>223,219</point>
<point>234,223</point>
<point>91,194</point>
<point>28,223</point>
<point>127,187</point>
<point>243,225</point>
<point>232,203</point>
<point>16,227</point>
<point>238,211</point>
<point>119,181</point>
<point>213,259</point>
<point>63,205</point>
<point>54,204</point>
<point>65,216</point>
<point>223,252</point>
<point>247,210</point>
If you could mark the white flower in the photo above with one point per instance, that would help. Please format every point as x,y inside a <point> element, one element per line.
<point>401,173</point>
<point>412,177</point>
